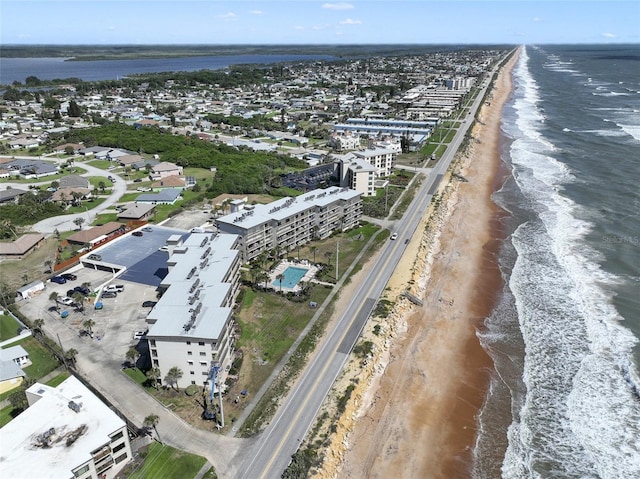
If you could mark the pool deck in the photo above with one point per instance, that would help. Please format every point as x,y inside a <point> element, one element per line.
<point>283,265</point>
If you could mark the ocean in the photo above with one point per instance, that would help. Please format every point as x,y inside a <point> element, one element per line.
<point>564,401</point>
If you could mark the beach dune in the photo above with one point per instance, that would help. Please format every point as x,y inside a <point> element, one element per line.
<point>417,417</point>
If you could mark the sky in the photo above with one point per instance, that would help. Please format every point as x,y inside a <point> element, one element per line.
<point>109,22</point>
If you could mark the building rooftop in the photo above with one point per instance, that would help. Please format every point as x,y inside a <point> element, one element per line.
<point>197,288</point>
<point>50,439</point>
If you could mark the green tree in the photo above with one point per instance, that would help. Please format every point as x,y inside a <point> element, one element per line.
<point>78,298</point>
<point>79,221</point>
<point>313,250</point>
<point>102,186</point>
<point>280,277</point>
<point>152,420</point>
<point>153,375</point>
<point>74,109</point>
<point>37,325</point>
<point>173,376</point>
<point>70,356</point>
<point>88,324</point>
<point>132,355</point>
<point>54,297</point>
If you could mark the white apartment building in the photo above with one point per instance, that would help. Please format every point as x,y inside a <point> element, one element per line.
<point>383,159</point>
<point>66,432</point>
<point>191,325</point>
<point>290,222</point>
<point>356,173</point>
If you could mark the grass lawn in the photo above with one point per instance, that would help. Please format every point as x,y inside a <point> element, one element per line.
<point>7,414</point>
<point>105,218</point>
<point>32,265</point>
<point>58,379</point>
<point>95,181</point>
<point>166,462</point>
<point>84,206</point>
<point>102,164</point>
<point>135,374</point>
<point>8,327</point>
<point>129,197</point>
<point>43,362</point>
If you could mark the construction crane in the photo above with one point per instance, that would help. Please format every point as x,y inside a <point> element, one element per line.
<point>210,412</point>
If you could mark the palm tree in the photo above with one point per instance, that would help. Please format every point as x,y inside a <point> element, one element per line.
<point>152,421</point>
<point>328,255</point>
<point>70,356</point>
<point>88,324</point>
<point>313,250</point>
<point>54,297</point>
<point>172,377</point>
<point>153,375</point>
<point>280,277</point>
<point>78,298</point>
<point>37,325</point>
<point>132,355</point>
<point>48,263</point>
<point>102,186</point>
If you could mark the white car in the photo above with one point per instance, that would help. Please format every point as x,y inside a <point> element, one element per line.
<point>66,300</point>
<point>115,288</point>
<point>394,236</point>
<point>138,335</point>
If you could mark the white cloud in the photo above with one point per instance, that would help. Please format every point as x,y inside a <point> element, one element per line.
<point>256,12</point>
<point>337,6</point>
<point>227,16</point>
<point>609,35</point>
<point>350,21</point>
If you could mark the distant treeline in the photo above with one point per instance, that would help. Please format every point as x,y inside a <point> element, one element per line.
<point>127,52</point>
<point>238,171</point>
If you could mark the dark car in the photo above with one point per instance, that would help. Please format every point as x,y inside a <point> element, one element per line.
<point>82,289</point>
<point>71,292</point>
<point>138,180</point>
<point>137,233</point>
<point>108,294</point>
<point>149,304</point>
<point>58,279</point>
<point>148,229</point>
<point>69,276</point>
<point>95,257</point>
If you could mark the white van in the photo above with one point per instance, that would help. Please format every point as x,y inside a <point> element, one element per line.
<point>115,288</point>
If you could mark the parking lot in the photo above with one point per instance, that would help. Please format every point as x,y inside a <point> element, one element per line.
<point>120,316</point>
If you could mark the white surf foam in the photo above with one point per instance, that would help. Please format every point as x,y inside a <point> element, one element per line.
<point>579,418</point>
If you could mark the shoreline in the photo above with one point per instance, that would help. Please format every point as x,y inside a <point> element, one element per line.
<point>413,413</point>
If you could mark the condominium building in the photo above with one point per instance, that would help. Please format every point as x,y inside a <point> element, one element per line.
<point>356,173</point>
<point>66,432</point>
<point>290,222</point>
<point>192,325</point>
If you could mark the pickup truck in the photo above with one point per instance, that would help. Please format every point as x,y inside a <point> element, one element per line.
<point>114,288</point>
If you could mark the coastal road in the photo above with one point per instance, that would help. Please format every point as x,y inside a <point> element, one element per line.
<point>271,453</point>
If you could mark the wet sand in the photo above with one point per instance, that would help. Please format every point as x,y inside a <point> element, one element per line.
<point>416,414</point>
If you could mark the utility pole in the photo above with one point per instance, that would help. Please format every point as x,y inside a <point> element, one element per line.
<point>337,258</point>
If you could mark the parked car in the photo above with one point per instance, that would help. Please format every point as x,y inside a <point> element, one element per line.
<point>394,236</point>
<point>69,276</point>
<point>58,279</point>
<point>115,288</point>
<point>138,335</point>
<point>138,180</point>
<point>163,248</point>
<point>95,257</point>
<point>82,289</point>
<point>137,233</point>
<point>66,300</point>
<point>147,229</point>
<point>108,294</point>
<point>149,304</point>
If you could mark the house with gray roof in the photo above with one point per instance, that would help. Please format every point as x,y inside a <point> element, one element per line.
<point>163,197</point>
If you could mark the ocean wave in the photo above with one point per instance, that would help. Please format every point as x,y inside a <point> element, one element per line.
<point>579,418</point>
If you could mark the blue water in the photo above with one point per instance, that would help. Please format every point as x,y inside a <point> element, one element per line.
<point>291,276</point>
<point>565,399</point>
<point>18,69</point>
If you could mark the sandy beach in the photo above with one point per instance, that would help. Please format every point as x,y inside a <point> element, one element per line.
<point>412,414</point>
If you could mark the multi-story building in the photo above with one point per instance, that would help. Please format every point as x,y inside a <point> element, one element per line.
<point>356,173</point>
<point>192,325</point>
<point>290,222</point>
<point>66,432</point>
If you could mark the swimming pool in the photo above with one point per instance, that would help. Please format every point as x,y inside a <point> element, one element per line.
<point>291,276</point>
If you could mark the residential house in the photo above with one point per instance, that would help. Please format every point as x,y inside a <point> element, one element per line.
<point>163,197</point>
<point>164,169</point>
<point>138,211</point>
<point>21,246</point>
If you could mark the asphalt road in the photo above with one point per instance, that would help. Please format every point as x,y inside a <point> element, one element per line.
<point>273,449</point>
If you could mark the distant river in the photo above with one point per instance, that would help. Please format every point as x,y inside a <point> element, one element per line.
<point>18,69</point>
